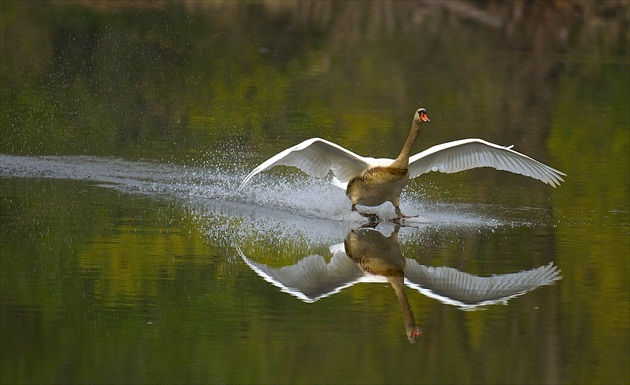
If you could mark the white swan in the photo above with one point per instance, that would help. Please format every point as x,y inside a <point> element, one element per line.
<point>371,182</point>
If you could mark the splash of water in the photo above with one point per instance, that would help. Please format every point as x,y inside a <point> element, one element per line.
<point>286,206</point>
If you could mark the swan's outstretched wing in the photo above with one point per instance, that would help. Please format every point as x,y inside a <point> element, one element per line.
<point>311,278</point>
<point>468,291</point>
<point>316,157</point>
<point>465,154</point>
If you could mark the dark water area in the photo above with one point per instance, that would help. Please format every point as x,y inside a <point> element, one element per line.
<point>128,255</point>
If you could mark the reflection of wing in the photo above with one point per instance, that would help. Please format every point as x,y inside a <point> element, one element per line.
<point>466,291</point>
<point>311,278</point>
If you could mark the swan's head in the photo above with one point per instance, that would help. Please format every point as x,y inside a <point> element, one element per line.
<point>421,116</point>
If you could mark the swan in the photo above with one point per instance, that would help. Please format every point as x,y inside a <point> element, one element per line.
<point>374,181</point>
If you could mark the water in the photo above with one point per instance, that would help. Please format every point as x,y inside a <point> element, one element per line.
<point>128,256</point>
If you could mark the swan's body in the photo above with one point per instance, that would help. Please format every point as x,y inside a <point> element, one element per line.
<point>371,181</point>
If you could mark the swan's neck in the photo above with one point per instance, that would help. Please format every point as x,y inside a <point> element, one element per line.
<point>403,158</point>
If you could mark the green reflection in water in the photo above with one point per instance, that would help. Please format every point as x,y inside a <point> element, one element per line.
<point>100,286</point>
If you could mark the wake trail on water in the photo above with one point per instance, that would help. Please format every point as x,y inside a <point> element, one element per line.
<point>293,204</point>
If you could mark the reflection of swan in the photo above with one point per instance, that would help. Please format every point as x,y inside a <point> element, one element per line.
<point>369,256</point>
<point>380,255</point>
<point>371,182</point>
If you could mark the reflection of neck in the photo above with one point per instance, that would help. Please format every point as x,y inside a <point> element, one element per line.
<point>398,284</point>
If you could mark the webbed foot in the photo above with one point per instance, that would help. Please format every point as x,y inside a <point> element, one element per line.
<point>401,215</point>
<point>400,220</point>
<point>373,218</point>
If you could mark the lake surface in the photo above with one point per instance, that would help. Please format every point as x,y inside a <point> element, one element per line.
<point>128,256</point>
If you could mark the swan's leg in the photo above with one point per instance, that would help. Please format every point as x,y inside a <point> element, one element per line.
<point>371,217</point>
<point>400,220</point>
<point>400,214</point>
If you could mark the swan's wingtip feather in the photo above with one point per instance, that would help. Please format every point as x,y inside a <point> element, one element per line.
<point>338,183</point>
<point>241,186</point>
